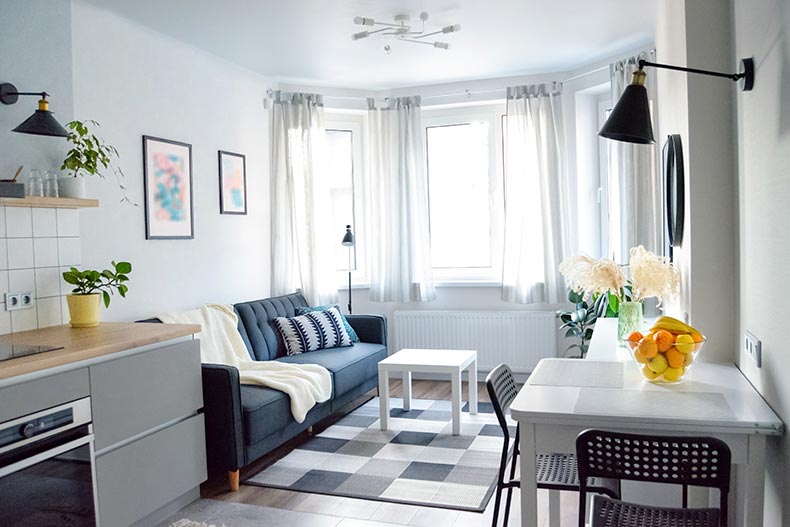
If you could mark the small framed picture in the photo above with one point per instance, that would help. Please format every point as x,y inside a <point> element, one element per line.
<point>232,183</point>
<point>167,176</point>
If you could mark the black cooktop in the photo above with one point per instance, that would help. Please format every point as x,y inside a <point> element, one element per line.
<point>14,351</point>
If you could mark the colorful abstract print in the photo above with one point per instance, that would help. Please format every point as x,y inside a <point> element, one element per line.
<point>233,181</point>
<point>170,182</point>
<point>313,331</point>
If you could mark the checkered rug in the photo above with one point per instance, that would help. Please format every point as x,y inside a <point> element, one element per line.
<point>417,461</point>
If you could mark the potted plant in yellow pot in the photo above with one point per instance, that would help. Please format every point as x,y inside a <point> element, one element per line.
<point>90,288</point>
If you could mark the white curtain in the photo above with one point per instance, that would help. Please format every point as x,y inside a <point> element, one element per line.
<point>536,192</point>
<point>636,216</point>
<point>400,267</point>
<point>301,240</point>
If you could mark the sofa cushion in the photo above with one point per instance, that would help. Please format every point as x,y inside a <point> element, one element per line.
<point>255,323</point>
<point>350,367</point>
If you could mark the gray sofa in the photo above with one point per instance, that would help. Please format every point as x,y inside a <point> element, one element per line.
<point>244,422</point>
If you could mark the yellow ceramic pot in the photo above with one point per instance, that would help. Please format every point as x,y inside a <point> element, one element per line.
<point>84,310</point>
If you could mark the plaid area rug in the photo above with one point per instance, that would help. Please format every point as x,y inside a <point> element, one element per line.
<point>417,461</point>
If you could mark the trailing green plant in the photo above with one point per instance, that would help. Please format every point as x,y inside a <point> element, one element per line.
<point>580,322</point>
<point>90,281</point>
<point>90,155</point>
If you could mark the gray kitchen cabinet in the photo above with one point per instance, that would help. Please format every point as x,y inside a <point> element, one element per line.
<point>45,392</point>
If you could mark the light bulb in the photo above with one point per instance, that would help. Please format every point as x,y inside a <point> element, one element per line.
<point>455,28</point>
<point>424,16</point>
<point>360,35</point>
<point>441,45</point>
<point>362,21</point>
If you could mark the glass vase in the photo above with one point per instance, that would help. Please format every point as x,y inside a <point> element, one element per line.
<point>629,319</point>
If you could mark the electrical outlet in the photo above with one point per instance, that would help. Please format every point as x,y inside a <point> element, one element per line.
<point>753,348</point>
<point>16,301</point>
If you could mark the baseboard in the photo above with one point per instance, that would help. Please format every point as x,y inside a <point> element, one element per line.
<point>168,510</point>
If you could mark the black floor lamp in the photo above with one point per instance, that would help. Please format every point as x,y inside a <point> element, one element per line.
<point>348,241</point>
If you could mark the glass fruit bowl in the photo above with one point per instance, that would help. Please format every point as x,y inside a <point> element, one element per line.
<point>662,356</point>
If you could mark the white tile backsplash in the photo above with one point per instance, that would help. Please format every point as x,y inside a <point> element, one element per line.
<point>44,223</point>
<point>70,252</point>
<point>36,246</point>
<point>46,252</point>
<point>48,282</point>
<point>20,253</point>
<point>24,320</point>
<point>49,312</point>
<point>19,222</point>
<point>68,222</point>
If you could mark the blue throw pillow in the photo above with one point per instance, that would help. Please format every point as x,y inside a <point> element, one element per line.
<point>349,329</point>
<point>313,331</point>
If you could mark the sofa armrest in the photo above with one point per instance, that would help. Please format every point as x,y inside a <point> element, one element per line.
<point>222,407</point>
<point>369,328</point>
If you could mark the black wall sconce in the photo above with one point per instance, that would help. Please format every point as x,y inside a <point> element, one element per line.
<point>630,120</point>
<point>42,122</point>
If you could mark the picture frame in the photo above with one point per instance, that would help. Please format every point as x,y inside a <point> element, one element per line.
<point>232,169</point>
<point>167,189</point>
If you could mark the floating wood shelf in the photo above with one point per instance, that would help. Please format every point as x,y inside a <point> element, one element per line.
<point>52,203</point>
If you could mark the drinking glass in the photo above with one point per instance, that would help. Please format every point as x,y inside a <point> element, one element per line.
<point>35,185</point>
<point>51,184</point>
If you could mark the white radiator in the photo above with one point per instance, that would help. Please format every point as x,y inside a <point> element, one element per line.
<point>517,338</point>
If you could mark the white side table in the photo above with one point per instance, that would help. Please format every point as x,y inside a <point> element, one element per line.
<point>451,362</point>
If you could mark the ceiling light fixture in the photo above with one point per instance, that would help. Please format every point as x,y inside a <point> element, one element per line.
<point>630,121</point>
<point>405,32</point>
<point>42,122</point>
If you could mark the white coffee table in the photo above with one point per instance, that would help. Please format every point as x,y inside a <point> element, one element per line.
<point>451,362</point>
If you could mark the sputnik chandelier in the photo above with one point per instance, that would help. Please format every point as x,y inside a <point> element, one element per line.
<point>402,30</point>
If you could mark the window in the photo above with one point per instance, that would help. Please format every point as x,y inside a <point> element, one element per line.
<point>463,159</point>
<point>345,171</point>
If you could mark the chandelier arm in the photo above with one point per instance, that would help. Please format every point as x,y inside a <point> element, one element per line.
<point>429,34</point>
<point>416,41</point>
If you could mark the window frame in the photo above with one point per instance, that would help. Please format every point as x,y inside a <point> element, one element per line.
<point>457,115</point>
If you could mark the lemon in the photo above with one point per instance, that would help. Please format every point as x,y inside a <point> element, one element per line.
<point>649,374</point>
<point>689,359</point>
<point>658,364</point>
<point>684,343</point>
<point>674,374</point>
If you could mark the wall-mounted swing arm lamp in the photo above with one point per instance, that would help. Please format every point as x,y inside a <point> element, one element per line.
<point>42,122</point>
<point>629,120</point>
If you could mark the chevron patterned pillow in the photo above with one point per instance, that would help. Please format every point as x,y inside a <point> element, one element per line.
<point>313,331</point>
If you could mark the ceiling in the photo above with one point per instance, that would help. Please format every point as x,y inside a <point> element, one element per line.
<point>309,41</point>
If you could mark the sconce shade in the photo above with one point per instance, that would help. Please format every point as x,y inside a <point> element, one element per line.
<point>42,122</point>
<point>629,120</point>
<point>348,239</point>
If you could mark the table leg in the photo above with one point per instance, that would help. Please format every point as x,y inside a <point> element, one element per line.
<point>384,399</point>
<point>407,390</point>
<point>529,488</point>
<point>472,372</point>
<point>456,386</point>
<point>751,488</point>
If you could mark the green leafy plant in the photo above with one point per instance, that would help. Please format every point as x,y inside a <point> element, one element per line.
<point>90,155</point>
<point>580,322</point>
<point>89,281</point>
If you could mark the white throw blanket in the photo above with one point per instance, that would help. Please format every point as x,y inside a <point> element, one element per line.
<point>221,343</point>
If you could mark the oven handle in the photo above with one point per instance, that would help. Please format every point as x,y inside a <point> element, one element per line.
<point>43,456</point>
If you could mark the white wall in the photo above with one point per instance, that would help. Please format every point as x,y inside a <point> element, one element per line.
<point>35,39</point>
<point>699,108</point>
<point>762,30</point>
<point>138,82</point>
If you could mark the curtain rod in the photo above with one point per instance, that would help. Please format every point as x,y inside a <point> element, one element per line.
<point>467,93</point>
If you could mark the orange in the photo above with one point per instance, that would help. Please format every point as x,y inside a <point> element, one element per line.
<point>675,358</point>
<point>641,359</point>
<point>696,337</point>
<point>648,348</point>
<point>664,340</point>
<point>635,337</point>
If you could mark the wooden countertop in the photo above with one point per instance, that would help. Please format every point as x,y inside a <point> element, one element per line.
<point>85,343</point>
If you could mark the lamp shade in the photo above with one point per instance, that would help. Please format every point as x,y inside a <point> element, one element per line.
<point>629,120</point>
<point>42,122</point>
<point>348,239</point>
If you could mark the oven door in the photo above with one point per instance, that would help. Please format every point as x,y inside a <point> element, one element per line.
<point>50,482</point>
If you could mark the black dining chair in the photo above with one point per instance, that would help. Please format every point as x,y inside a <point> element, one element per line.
<point>553,472</point>
<point>686,461</point>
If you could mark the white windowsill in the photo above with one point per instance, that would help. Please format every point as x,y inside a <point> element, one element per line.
<point>446,283</point>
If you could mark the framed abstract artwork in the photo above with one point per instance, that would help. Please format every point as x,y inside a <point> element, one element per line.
<point>167,177</point>
<point>232,183</point>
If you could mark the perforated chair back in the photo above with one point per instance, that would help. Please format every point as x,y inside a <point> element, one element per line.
<point>502,390</point>
<point>695,461</point>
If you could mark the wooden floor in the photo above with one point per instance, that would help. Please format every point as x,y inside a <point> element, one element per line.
<point>335,511</point>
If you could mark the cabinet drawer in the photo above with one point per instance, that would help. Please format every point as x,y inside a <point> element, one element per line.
<point>137,393</point>
<point>40,394</point>
<point>139,478</point>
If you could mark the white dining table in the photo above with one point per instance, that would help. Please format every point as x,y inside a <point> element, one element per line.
<point>564,397</point>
